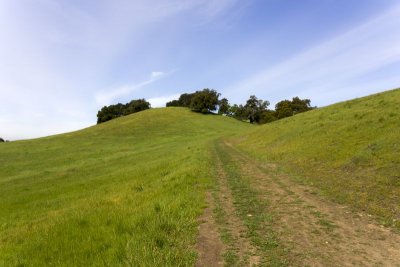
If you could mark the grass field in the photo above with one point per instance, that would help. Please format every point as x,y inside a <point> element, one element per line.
<point>129,192</point>
<point>349,152</point>
<point>126,192</point>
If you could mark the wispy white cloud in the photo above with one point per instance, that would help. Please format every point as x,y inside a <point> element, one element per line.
<point>107,97</point>
<point>156,74</point>
<point>333,65</point>
<point>57,55</point>
<point>214,8</point>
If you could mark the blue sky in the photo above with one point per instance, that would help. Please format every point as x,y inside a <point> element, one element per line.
<point>61,61</point>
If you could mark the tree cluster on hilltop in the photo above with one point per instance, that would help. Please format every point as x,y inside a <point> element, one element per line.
<point>183,101</point>
<point>1,140</point>
<point>204,101</point>
<point>255,110</point>
<point>114,111</point>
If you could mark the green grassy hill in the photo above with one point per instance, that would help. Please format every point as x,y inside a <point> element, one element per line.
<point>350,152</point>
<point>129,192</point>
<point>126,192</point>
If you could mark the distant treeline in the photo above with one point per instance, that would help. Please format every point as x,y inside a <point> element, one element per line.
<point>207,101</point>
<point>255,110</point>
<point>114,111</point>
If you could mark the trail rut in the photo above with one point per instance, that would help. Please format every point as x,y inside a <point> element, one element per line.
<point>316,231</point>
<point>209,244</point>
<point>238,251</point>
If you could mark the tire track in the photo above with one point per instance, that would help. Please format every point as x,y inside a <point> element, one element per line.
<point>318,232</point>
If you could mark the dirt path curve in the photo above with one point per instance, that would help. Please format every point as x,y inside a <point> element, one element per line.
<point>315,231</point>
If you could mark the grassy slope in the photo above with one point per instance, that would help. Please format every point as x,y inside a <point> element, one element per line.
<point>350,151</point>
<point>129,191</point>
<point>126,192</point>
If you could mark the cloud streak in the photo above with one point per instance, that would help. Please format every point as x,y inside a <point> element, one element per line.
<point>107,97</point>
<point>333,65</point>
<point>62,60</point>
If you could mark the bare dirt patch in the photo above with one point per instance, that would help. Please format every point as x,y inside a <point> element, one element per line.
<point>209,244</point>
<point>318,232</point>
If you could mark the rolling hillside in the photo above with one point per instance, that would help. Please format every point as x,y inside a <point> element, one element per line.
<point>126,192</point>
<point>307,190</point>
<point>315,189</point>
<point>350,151</point>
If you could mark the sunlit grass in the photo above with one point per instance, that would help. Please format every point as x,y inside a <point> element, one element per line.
<point>128,192</point>
<point>350,151</point>
<point>124,193</point>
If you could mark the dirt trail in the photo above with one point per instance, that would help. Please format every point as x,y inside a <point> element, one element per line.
<point>317,232</point>
<point>209,245</point>
<point>245,251</point>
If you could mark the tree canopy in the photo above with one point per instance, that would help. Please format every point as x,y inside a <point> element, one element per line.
<point>223,106</point>
<point>255,110</point>
<point>183,101</point>
<point>118,110</point>
<point>1,140</point>
<point>283,109</point>
<point>204,101</point>
<point>287,108</point>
